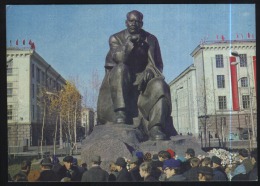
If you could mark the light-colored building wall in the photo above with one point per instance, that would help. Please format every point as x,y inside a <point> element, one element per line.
<point>207,113</point>
<point>184,103</point>
<point>25,112</point>
<point>87,120</point>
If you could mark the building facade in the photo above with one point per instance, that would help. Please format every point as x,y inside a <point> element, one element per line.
<point>27,74</point>
<point>184,103</point>
<point>224,91</point>
<point>87,120</point>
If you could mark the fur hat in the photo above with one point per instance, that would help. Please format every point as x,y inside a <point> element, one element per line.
<point>243,152</point>
<point>68,159</point>
<point>216,160</point>
<point>171,163</point>
<point>121,162</point>
<point>46,162</point>
<point>190,151</point>
<point>172,153</point>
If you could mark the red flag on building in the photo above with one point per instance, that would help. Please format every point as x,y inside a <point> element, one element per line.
<point>248,35</point>
<point>33,46</point>
<point>223,38</point>
<point>23,42</point>
<point>16,42</point>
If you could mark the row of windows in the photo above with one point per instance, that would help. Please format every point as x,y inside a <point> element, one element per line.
<point>220,61</point>
<point>221,81</point>
<point>222,102</point>
<point>10,112</point>
<point>40,77</point>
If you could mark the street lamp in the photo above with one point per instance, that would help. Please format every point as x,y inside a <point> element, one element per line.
<point>235,53</point>
<point>61,141</point>
<point>176,100</point>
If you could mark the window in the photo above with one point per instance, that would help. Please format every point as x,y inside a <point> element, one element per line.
<point>219,61</point>
<point>9,89</point>
<point>43,77</point>
<point>38,113</point>
<point>32,90</point>
<point>10,68</point>
<point>37,90</point>
<point>244,82</point>
<point>33,112</point>
<point>243,60</point>
<point>32,70</point>
<point>38,74</point>
<point>246,101</point>
<point>221,81</point>
<point>10,112</point>
<point>222,102</point>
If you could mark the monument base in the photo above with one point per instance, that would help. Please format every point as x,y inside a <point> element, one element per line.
<point>111,141</point>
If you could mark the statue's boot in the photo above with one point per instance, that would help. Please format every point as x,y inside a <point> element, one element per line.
<point>120,117</point>
<point>156,133</point>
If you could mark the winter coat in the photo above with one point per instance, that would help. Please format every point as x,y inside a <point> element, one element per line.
<point>95,174</point>
<point>191,174</point>
<point>219,174</point>
<point>176,177</point>
<point>48,175</point>
<point>150,178</point>
<point>135,174</point>
<point>124,176</point>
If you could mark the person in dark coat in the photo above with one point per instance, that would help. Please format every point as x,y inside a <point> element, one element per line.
<point>185,166</point>
<point>171,168</point>
<point>205,173</point>
<point>192,173</point>
<point>95,173</point>
<point>145,171</point>
<point>72,171</point>
<point>253,174</point>
<point>113,173</point>
<point>243,156</point>
<point>218,171</point>
<point>47,174</point>
<point>134,169</point>
<point>156,165</point>
<point>22,175</point>
<point>123,174</point>
<point>163,156</point>
<point>58,169</point>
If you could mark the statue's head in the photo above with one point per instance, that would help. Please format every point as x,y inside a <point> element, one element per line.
<point>134,21</point>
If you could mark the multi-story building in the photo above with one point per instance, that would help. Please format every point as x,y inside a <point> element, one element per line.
<point>87,120</point>
<point>216,96</point>
<point>27,74</point>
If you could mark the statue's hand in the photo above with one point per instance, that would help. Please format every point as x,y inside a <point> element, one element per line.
<point>135,38</point>
<point>148,75</point>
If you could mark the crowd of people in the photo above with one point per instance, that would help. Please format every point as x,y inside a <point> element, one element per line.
<point>165,166</point>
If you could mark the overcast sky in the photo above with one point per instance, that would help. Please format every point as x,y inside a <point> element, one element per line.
<point>73,39</point>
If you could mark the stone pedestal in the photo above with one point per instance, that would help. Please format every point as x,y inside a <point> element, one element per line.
<point>111,141</point>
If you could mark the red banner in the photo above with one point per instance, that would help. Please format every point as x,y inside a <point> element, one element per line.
<point>234,84</point>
